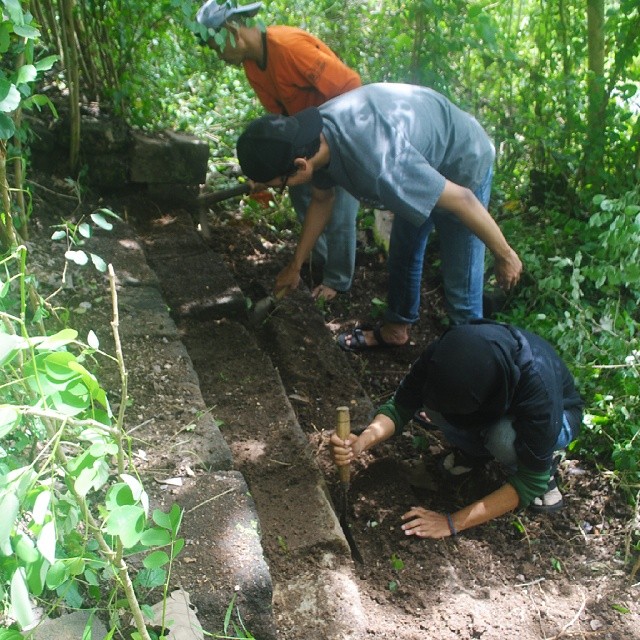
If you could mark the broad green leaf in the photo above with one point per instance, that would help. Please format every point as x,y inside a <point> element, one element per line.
<point>20,602</point>
<point>119,495</point>
<point>46,63</point>
<point>79,257</point>
<point>98,263</point>
<point>101,222</point>
<point>56,575</point>
<point>156,559</point>
<point>94,478</point>
<point>10,634</point>
<point>41,507</point>
<point>47,541</point>
<point>9,97</point>
<point>175,515</point>
<point>25,549</point>
<point>84,230</point>
<point>150,578</point>
<point>155,537</point>
<point>26,73</point>
<point>136,487</point>
<point>9,418</point>
<point>59,235</point>
<point>101,449</point>
<point>7,127</point>
<point>26,31</point>
<point>162,519</point>
<point>37,575</point>
<point>127,523</point>
<point>177,547</point>
<point>91,577</point>
<point>9,507</point>
<point>69,591</point>
<point>60,339</point>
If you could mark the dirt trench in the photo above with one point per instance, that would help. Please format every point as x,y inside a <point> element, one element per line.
<point>530,576</point>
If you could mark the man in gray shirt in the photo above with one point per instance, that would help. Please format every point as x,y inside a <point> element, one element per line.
<point>407,149</point>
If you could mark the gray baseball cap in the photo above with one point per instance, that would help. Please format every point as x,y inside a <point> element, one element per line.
<point>213,15</point>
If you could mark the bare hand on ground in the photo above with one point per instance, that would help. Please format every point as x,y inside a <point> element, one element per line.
<point>425,524</point>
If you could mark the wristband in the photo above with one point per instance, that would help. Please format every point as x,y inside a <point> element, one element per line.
<point>452,528</point>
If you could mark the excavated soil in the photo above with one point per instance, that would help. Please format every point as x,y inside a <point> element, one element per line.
<point>521,576</point>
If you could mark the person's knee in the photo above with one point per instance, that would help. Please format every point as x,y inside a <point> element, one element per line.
<point>499,442</point>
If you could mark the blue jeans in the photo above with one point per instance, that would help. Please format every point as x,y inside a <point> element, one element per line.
<point>462,257</point>
<point>497,441</point>
<point>336,247</point>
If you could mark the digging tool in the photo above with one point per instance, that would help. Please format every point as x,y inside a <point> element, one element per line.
<point>224,194</point>
<point>343,429</point>
<point>265,306</point>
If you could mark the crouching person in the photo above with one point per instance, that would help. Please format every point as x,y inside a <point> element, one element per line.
<point>495,392</point>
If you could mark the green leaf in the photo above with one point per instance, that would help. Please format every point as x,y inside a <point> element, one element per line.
<point>9,507</point>
<point>46,63</point>
<point>177,547</point>
<point>26,73</point>
<point>47,542</point>
<point>9,347</point>
<point>41,506</point>
<point>26,31</point>
<point>150,578</point>
<point>20,602</point>
<point>620,608</point>
<point>98,262</point>
<point>101,222</point>
<point>156,559</point>
<point>155,537</point>
<point>162,519</point>
<point>7,127</point>
<point>56,575</point>
<point>9,97</point>
<point>127,523</point>
<point>92,340</point>
<point>79,257</point>
<point>25,549</point>
<point>57,340</point>
<point>84,230</point>
<point>119,495</point>
<point>37,575</point>
<point>10,634</point>
<point>9,418</point>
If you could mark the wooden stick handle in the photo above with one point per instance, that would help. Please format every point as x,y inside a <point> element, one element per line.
<point>343,429</point>
<point>224,194</point>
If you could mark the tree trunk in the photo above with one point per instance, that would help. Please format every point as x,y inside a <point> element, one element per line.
<point>595,140</point>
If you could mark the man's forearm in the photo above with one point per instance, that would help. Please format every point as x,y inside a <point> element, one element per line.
<point>498,503</point>
<point>315,220</point>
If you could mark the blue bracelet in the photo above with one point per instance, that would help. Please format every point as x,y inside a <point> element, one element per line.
<point>452,528</point>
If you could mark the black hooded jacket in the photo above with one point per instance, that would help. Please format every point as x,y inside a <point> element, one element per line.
<point>509,372</point>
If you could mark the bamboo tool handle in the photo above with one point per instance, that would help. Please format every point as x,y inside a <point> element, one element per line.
<point>343,429</point>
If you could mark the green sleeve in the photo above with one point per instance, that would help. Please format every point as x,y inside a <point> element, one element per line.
<point>529,484</point>
<point>400,415</point>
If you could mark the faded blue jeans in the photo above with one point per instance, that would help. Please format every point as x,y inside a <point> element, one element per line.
<point>335,249</point>
<point>496,441</point>
<point>462,258</point>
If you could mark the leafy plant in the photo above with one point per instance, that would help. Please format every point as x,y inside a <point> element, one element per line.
<point>73,506</point>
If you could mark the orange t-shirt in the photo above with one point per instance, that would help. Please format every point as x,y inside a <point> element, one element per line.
<point>301,72</point>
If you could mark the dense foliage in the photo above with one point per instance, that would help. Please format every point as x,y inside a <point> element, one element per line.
<point>556,84</point>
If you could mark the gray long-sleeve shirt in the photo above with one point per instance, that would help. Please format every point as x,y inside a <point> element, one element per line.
<point>393,145</point>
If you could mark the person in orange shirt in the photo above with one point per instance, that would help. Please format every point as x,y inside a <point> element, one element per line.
<point>291,70</point>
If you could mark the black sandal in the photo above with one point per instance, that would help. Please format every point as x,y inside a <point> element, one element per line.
<point>359,343</point>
